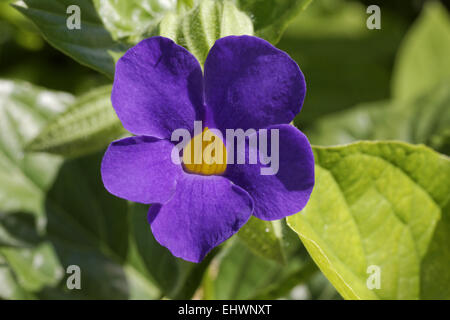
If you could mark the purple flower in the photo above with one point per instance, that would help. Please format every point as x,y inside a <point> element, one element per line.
<point>247,83</point>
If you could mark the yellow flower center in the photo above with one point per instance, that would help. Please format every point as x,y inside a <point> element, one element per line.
<point>205,154</point>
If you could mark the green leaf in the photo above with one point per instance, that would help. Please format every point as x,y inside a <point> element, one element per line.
<point>264,238</point>
<point>383,204</point>
<point>30,260</point>
<point>9,287</point>
<point>423,60</point>
<point>195,24</point>
<point>24,177</point>
<point>271,17</point>
<point>88,227</point>
<point>177,279</point>
<point>425,119</point>
<point>135,19</point>
<point>92,45</point>
<point>435,275</point>
<point>34,267</point>
<point>198,29</point>
<point>87,126</point>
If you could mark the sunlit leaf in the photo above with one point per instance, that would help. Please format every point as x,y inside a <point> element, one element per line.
<point>382,204</point>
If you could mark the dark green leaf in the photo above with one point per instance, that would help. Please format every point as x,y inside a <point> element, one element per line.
<point>92,45</point>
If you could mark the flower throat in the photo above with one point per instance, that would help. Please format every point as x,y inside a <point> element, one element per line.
<point>205,154</point>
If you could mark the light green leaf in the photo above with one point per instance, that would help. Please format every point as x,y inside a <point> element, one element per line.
<point>91,45</point>
<point>88,125</point>
<point>423,60</point>
<point>271,17</point>
<point>264,238</point>
<point>9,287</point>
<point>136,19</point>
<point>24,110</point>
<point>34,267</point>
<point>382,204</point>
<point>198,29</point>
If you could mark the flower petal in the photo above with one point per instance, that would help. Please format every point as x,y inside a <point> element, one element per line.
<point>158,87</point>
<point>204,212</point>
<point>251,84</point>
<point>286,192</point>
<point>140,169</point>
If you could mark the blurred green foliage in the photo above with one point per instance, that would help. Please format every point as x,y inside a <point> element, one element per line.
<point>345,63</point>
<point>362,85</point>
